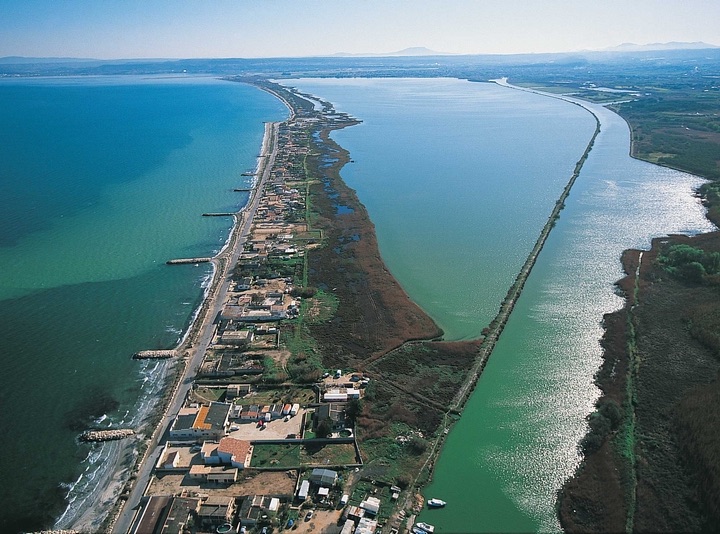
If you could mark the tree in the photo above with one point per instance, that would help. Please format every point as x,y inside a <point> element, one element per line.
<point>352,410</point>
<point>324,428</point>
<point>417,445</point>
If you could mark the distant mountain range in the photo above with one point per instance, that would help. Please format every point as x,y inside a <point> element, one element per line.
<point>415,51</point>
<point>625,47</point>
<point>632,47</point>
<point>412,51</point>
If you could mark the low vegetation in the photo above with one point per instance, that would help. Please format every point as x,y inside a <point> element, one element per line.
<point>654,439</point>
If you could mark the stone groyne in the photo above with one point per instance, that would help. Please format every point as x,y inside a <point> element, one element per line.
<point>154,354</point>
<point>106,435</point>
<point>181,261</point>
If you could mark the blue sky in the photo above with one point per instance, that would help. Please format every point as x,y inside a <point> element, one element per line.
<point>112,29</point>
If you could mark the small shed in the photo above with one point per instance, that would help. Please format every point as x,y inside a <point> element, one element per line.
<point>371,505</point>
<point>304,490</point>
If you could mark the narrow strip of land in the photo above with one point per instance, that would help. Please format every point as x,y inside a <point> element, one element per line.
<point>195,342</point>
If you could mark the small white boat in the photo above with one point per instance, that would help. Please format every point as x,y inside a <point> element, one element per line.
<point>426,527</point>
<point>436,503</point>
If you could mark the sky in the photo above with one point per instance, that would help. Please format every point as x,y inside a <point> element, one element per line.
<point>127,29</point>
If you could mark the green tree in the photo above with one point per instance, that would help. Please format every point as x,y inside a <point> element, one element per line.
<point>352,410</point>
<point>324,428</point>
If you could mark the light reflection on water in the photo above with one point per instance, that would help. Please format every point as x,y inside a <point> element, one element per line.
<point>516,442</point>
<point>544,364</point>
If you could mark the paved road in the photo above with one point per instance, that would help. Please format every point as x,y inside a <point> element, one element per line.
<point>196,348</point>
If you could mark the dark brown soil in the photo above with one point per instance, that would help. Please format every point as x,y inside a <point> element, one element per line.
<point>376,322</point>
<point>374,314</point>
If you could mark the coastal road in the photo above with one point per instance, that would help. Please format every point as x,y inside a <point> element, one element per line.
<point>201,332</point>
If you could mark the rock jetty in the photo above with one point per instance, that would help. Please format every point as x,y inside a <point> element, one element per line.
<point>106,435</point>
<point>181,261</point>
<point>154,354</point>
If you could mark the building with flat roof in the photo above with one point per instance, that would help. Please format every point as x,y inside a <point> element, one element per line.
<point>236,337</point>
<point>204,422</point>
<point>219,474</point>
<point>164,514</point>
<point>254,507</point>
<point>216,510</point>
<point>371,505</point>
<point>304,490</point>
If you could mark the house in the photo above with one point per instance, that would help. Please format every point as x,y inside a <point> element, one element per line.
<point>228,451</point>
<point>334,412</point>
<point>304,490</point>
<point>366,526</point>
<point>354,513</point>
<point>204,422</point>
<point>236,390</point>
<point>371,505</point>
<point>341,394</point>
<point>244,284</point>
<point>219,474</point>
<point>216,510</point>
<point>323,477</point>
<point>253,508</point>
<point>276,411</point>
<point>250,413</point>
<point>164,514</point>
<point>238,338</point>
<point>236,452</point>
<point>348,527</point>
<point>209,454</point>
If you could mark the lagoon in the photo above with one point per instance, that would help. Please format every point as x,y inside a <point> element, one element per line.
<point>459,178</point>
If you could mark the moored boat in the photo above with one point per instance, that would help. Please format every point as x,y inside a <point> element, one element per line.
<point>436,503</point>
<point>425,527</point>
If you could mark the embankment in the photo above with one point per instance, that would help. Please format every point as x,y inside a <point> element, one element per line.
<point>492,333</point>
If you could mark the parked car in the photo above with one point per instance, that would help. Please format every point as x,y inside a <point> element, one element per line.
<point>309,516</point>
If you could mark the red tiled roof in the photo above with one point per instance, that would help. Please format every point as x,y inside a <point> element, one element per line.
<point>238,449</point>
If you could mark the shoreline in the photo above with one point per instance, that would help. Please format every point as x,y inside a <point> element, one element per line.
<point>497,325</point>
<point>120,489</point>
<point>226,258</point>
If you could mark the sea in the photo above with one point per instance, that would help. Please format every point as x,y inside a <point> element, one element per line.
<point>102,180</point>
<point>459,178</point>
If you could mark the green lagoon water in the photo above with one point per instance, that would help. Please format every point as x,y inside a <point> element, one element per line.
<point>458,178</point>
<point>101,181</point>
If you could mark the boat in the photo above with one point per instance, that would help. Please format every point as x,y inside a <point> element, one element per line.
<point>436,503</point>
<point>426,527</point>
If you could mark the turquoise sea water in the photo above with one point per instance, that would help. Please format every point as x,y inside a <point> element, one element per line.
<point>459,178</point>
<point>101,181</point>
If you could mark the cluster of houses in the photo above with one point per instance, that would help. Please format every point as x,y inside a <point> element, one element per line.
<point>199,422</point>
<point>166,514</point>
<point>256,306</point>
<point>202,443</point>
<point>267,413</point>
<point>359,519</point>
